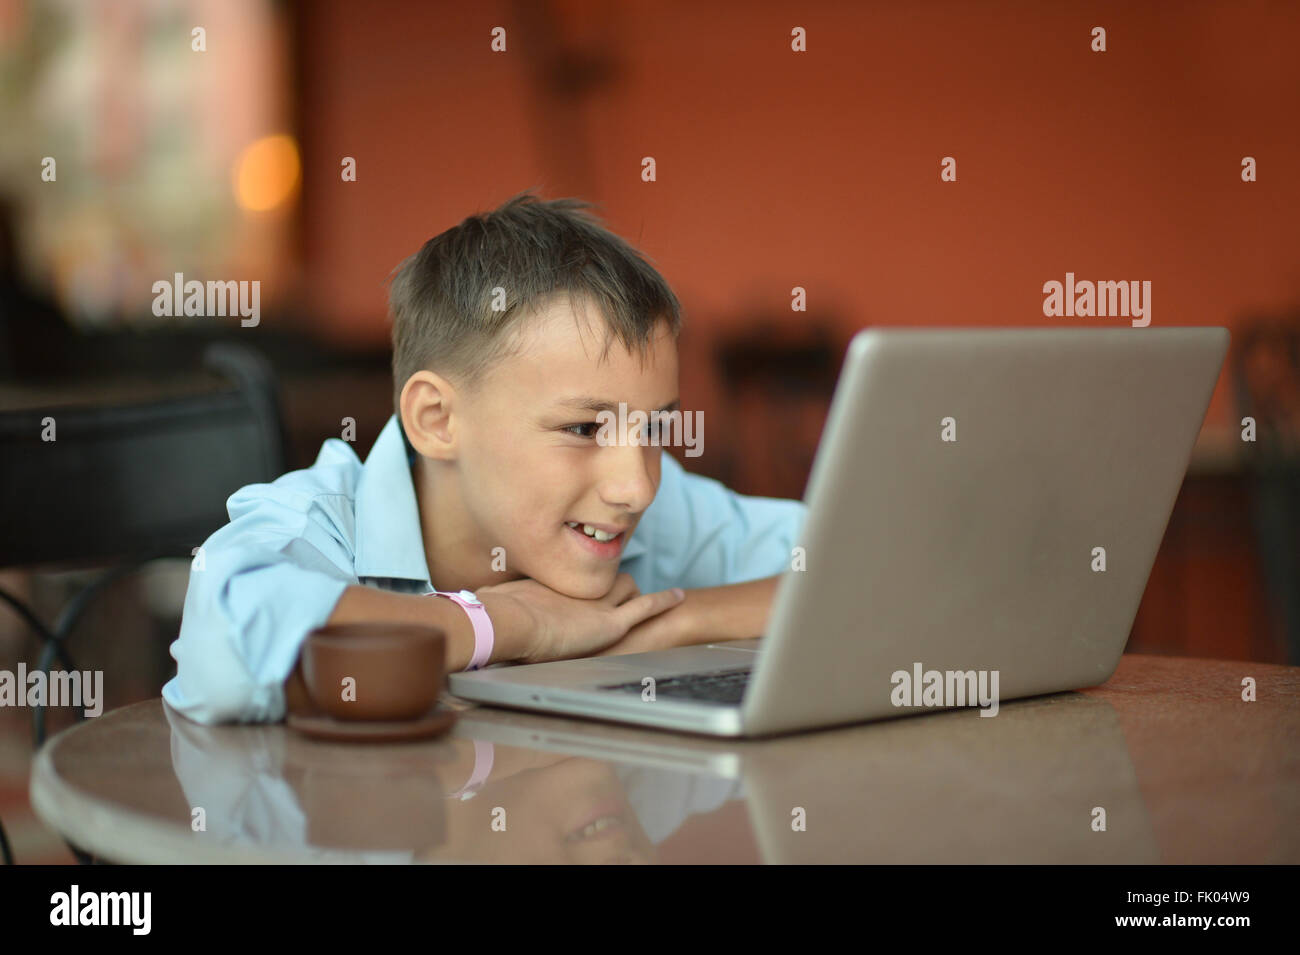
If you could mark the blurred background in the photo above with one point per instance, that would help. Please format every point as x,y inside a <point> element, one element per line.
<point>146,138</point>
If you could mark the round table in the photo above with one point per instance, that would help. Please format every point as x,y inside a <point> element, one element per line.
<point>1167,755</point>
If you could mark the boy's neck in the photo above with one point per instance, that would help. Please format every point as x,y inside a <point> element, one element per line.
<point>458,557</point>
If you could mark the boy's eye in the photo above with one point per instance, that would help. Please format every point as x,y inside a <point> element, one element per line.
<point>589,429</point>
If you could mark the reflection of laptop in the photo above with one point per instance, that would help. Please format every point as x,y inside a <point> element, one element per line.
<point>955,789</point>
<point>982,500</point>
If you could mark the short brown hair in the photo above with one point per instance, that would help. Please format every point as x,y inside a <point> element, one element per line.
<point>441,297</point>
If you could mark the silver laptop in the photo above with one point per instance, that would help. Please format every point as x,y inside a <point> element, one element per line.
<point>983,512</point>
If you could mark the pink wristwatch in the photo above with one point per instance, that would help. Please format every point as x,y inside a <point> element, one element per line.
<point>479,619</point>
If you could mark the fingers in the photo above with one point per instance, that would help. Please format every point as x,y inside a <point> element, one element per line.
<point>648,605</point>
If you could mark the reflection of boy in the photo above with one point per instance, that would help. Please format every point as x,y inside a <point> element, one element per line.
<point>278,796</point>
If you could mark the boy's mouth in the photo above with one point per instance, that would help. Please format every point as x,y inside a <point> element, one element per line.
<point>600,539</point>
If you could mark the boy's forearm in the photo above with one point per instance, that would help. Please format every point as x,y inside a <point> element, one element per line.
<point>730,612</point>
<point>370,605</point>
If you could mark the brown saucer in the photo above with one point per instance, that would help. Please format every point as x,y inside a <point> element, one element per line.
<point>433,723</point>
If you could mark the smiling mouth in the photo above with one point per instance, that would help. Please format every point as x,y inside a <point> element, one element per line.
<point>595,533</point>
<point>594,828</point>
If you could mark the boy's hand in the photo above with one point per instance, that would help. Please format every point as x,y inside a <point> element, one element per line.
<point>563,627</point>
<point>713,614</point>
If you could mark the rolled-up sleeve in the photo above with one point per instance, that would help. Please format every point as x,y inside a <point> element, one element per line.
<point>260,585</point>
<point>700,533</point>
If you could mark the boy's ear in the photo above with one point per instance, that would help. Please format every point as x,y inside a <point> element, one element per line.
<point>428,410</point>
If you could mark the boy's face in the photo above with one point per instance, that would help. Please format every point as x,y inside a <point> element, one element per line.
<point>531,472</point>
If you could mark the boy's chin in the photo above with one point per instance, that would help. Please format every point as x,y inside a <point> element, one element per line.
<point>578,586</point>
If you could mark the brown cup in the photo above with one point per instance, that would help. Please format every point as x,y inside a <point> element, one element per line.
<point>397,670</point>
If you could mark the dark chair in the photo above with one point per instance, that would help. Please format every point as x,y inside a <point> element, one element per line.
<point>776,383</point>
<point>128,480</point>
<point>1266,387</point>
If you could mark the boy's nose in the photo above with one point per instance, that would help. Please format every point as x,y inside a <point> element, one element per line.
<point>627,483</point>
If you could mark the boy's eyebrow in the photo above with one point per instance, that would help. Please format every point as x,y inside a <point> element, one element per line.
<point>600,404</point>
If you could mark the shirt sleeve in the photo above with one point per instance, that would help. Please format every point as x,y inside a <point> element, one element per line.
<point>664,799</point>
<point>264,581</point>
<point>699,533</point>
<point>251,797</point>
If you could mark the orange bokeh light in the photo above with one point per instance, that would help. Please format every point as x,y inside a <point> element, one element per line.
<point>267,173</point>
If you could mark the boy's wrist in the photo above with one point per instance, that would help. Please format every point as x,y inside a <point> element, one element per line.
<point>512,626</point>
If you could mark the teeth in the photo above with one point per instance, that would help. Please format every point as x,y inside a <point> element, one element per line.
<point>598,826</point>
<point>592,531</point>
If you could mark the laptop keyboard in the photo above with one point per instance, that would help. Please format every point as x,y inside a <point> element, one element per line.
<point>717,686</point>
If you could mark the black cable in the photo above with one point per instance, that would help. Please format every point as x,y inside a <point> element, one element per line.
<point>38,712</point>
<point>75,607</point>
<point>68,618</point>
<point>6,853</point>
<point>52,645</point>
<point>83,858</point>
<point>34,622</point>
<point>53,641</point>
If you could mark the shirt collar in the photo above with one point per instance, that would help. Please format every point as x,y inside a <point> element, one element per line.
<point>389,540</point>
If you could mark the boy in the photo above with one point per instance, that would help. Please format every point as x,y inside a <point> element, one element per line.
<point>488,487</point>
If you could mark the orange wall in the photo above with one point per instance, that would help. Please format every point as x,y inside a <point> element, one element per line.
<point>821,169</point>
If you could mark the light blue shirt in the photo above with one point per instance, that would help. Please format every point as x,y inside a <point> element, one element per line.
<point>273,574</point>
